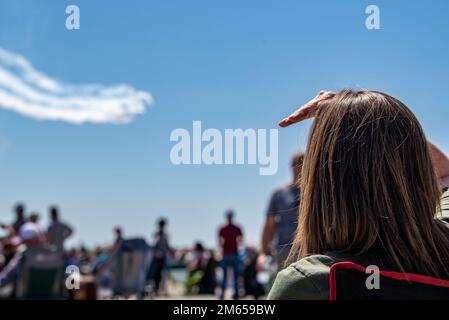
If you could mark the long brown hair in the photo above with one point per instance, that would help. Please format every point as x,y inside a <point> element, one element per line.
<point>368,185</point>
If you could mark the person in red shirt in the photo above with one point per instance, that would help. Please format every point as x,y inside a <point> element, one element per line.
<point>230,237</point>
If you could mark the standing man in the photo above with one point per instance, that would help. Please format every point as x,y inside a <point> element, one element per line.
<point>20,217</point>
<point>282,216</point>
<point>230,237</point>
<point>58,231</point>
<point>118,232</point>
<point>161,250</point>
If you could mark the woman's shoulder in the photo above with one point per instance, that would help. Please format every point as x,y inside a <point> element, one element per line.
<point>307,278</point>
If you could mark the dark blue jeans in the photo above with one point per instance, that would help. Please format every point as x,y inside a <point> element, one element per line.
<point>230,260</point>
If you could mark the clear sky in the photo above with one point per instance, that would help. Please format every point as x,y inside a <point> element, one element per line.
<point>230,64</point>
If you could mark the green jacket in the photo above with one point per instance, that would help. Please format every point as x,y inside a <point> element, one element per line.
<point>308,278</point>
<point>305,279</point>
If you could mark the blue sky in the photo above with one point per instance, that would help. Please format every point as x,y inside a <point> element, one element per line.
<point>230,64</point>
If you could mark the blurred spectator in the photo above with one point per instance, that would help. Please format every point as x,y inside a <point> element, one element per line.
<point>72,257</point>
<point>161,249</point>
<point>9,249</point>
<point>20,217</point>
<point>230,236</point>
<point>201,271</point>
<point>282,216</point>
<point>32,228</point>
<point>58,231</point>
<point>251,283</point>
<point>118,232</point>
<point>84,256</point>
<point>31,236</point>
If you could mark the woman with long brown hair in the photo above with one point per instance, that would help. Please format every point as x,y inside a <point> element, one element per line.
<point>371,193</point>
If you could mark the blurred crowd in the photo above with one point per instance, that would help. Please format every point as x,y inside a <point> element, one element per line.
<point>34,261</point>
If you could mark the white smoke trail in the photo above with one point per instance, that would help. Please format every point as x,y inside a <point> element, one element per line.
<point>31,93</point>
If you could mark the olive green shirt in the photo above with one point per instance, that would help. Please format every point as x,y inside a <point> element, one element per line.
<point>308,278</point>
<point>305,279</point>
